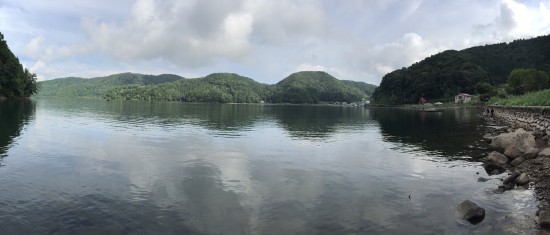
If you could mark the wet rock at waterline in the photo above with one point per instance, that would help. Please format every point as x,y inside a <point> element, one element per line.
<point>467,210</point>
<point>511,179</point>
<point>522,179</point>
<point>497,158</point>
<point>495,163</point>
<point>482,179</point>
<point>544,220</point>
<point>519,143</point>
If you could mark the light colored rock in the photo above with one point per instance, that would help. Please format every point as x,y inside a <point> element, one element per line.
<point>471,212</point>
<point>545,152</point>
<point>517,161</point>
<point>515,144</point>
<point>497,158</point>
<point>522,179</point>
<point>531,153</point>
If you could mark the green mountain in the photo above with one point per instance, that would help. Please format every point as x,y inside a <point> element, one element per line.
<point>97,87</point>
<point>315,87</point>
<point>442,76</point>
<point>15,81</point>
<point>217,87</point>
<point>301,87</point>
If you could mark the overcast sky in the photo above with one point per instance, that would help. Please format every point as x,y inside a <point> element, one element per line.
<point>262,39</point>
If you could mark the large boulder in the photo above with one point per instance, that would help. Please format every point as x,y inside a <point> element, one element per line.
<point>467,210</point>
<point>519,143</point>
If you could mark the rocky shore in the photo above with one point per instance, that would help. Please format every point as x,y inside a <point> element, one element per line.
<point>520,140</point>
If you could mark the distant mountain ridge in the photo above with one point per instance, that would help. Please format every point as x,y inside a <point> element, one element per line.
<point>443,75</point>
<point>300,87</point>
<point>96,87</point>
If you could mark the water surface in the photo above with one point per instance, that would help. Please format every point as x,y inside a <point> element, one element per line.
<point>92,166</point>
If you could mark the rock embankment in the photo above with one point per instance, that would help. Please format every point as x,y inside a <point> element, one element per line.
<point>525,151</point>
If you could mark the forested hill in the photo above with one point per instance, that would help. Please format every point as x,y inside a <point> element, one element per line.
<point>15,81</point>
<point>301,87</point>
<point>97,87</point>
<point>442,76</point>
<point>315,87</point>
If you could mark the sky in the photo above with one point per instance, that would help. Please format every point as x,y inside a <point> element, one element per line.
<point>265,40</point>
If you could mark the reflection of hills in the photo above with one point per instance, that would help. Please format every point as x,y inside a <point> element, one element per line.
<point>13,116</point>
<point>426,130</point>
<point>301,121</point>
<point>318,121</point>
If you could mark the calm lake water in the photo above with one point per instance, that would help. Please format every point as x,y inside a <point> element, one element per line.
<point>129,167</point>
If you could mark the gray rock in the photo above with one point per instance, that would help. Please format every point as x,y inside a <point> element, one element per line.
<point>544,220</point>
<point>493,169</point>
<point>531,153</point>
<point>545,152</point>
<point>497,158</point>
<point>511,179</point>
<point>522,179</point>
<point>517,161</point>
<point>516,144</point>
<point>482,179</point>
<point>471,212</point>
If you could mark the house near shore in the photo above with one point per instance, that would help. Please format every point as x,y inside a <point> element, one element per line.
<point>463,98</point>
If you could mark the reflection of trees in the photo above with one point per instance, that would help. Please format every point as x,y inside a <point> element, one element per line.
<point>302,121</point>
<point>13,116</point>
<point>452,133</point>
<point>318,121</point>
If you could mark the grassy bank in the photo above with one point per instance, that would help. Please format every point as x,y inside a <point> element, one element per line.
<point>539,98</point>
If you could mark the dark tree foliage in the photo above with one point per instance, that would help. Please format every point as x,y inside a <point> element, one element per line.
<point>302,87</point>
<point>441,76</point>
<point>437,77</point>
<point>15,81</point>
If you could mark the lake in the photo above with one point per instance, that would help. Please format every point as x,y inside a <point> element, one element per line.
<point>135,167</point>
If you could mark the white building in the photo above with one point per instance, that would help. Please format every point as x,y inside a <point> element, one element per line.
<point>463,98</point>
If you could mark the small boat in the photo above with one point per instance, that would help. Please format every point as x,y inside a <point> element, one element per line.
<point>431,110</point>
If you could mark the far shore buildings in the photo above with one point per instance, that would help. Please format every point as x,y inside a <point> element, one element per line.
<point>463,98</point>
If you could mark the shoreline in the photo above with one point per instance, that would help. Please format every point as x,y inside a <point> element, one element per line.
<point>537,167</point>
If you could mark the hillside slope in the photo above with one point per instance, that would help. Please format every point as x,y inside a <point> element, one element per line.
<point>315,87</point>
<point>301,87</point>
<point>441,76</point>
<point>96,87</point>
<point>217,87</point>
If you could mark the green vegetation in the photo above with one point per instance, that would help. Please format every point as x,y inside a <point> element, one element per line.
<point>538,98</point>
<point>301,87</point>
<point>218,87</point>
<point>522,81</point>
<point>315,87</point>
<point>96,87</point>
<point>440,77</point>
<point>15,81</point>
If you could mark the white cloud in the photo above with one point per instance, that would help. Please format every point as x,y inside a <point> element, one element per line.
<point>162,29</point>
<point>386,57</point>
<point>515,20</point>
<point>266,40</point>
